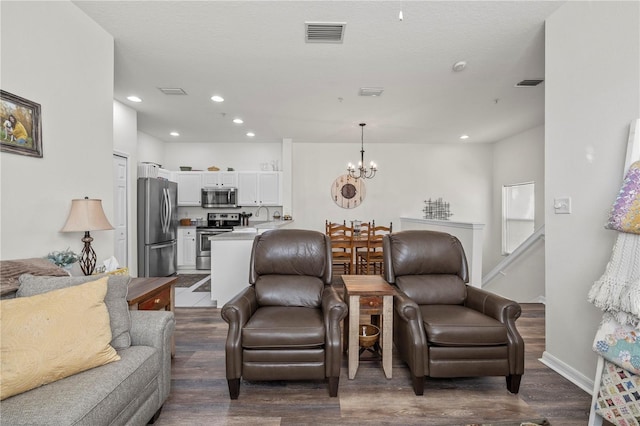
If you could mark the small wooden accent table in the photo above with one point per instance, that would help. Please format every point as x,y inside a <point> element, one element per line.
<point>153,294</point>
<point>368,286</point>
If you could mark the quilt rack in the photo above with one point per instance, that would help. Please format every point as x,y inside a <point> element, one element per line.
<point>629,404</point>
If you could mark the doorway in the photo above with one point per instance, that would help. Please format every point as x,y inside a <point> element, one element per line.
<point>120,208</point>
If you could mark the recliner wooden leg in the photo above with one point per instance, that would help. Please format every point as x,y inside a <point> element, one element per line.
<point>418,384</point>
<point>234,388</point>
<point>333,386</point>
<point>513,382</point>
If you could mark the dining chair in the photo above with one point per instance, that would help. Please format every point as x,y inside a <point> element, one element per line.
<point>360,242</point>
<point>341,237</point>
<point>370,261</point>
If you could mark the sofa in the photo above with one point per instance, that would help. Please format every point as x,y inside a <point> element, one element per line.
<point>129,389</point>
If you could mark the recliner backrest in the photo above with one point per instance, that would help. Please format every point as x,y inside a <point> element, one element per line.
<point>430,267</point>
<point>290,267</point>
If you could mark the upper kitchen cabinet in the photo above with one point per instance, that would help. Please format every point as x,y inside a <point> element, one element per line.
<point>221,179</point>
<point>189,186</point>
<point>259,188</point>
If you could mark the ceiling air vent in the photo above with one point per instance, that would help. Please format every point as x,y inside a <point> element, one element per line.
<point>172,90</point>
<point>529,83</point>
<point>324,32</point>
<point>370,91</point>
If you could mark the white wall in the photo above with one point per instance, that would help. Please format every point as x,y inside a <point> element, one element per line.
<point>592,94</point>
<point>516,159</point>
<point>53,54</point>
<point>408,174</point>
<point>200,156</point>
<point>151,150</point>
<point>125,141</point>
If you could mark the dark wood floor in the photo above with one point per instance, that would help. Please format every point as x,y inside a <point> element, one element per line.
<point>199,394</point>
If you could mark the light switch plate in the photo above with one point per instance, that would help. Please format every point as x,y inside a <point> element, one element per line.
<point>562,205</point>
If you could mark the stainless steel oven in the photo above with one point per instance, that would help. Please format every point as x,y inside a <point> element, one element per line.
<point>217,223</point>
<point>203,246</point>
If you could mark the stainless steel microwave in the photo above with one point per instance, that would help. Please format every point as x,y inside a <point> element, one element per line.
<point>214,197</point>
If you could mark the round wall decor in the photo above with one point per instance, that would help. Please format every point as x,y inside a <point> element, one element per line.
<point>348,192</point>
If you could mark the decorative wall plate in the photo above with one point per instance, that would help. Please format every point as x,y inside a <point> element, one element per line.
<point>348,192</point>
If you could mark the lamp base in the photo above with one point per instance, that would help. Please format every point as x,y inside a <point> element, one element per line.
<point>87,256</point>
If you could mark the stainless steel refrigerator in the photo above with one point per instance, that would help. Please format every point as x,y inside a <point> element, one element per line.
<point>157,227</point>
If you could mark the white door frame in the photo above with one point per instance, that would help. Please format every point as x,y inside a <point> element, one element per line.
<point>121,210</point>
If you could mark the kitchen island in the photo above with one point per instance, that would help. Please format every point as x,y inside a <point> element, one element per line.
<point>230,256</point>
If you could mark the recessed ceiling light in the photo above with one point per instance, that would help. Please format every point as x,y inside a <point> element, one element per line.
<point>217,98</point>
<point>251,134</point>
<point>464,137</point>
<point>238,120</point>
<point>174,134</point>
<point>133,98</point>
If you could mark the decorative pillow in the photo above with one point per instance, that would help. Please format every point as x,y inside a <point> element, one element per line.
<point>116,300</point>
<point>51,336</point>
<point>10,270</point>
<point>625,212</point>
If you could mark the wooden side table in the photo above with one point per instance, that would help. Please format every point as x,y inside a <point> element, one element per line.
<point>153,294</point>
<point>368,286</point>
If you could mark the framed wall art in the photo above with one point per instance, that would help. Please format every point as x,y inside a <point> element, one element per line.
<point>21,128</point>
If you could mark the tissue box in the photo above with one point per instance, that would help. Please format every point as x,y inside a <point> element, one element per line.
<point>121,271</point>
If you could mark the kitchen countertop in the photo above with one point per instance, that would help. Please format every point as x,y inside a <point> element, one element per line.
<point>249,232</point>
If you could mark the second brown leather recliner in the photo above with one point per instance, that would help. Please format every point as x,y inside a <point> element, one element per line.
<point>286,324</point>
<point>441,326</point>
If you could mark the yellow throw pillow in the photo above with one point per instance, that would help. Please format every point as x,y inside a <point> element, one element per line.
<point>53,335</point>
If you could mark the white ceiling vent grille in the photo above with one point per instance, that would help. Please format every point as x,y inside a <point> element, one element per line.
<point>324,32</point>
<point>172,90</point>
<point>529,83</point>
<point>370,91</point>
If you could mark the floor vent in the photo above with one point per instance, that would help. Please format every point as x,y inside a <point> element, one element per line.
<point>324,32</point>
<point>529,83</point>
<point>172,90</point>
<point>370,91</point>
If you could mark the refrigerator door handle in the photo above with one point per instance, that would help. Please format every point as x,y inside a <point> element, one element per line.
<point>170,210</point>
<point>165,209</point>
<point>161,246</point>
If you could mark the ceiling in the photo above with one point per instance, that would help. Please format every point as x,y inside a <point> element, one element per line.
<point>254,54</point>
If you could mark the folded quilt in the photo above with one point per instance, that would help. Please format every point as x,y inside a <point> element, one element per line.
<point>619,396</point>
<point>617,292</point>
<point>619,344</point>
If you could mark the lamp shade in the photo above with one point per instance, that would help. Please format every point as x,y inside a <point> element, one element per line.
<point>86,215</point>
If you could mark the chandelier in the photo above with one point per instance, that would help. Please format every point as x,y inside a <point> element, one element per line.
<point>362,171</point>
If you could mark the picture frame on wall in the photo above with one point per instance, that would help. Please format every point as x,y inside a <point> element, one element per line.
<point>20,130</point>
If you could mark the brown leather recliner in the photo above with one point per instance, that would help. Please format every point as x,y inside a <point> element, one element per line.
<point>286,324</point>
<point>442,326</point>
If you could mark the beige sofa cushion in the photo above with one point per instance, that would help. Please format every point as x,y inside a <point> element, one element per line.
<point>50,336</point>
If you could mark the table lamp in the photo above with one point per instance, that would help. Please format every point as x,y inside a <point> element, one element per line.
<point>86,215</point>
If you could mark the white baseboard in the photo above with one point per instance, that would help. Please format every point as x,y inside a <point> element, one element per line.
<point>583,382</point>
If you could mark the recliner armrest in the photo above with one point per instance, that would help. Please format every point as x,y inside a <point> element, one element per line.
<point>333,307</point>
<point>490,304</point>
<point>405,307</point>
<point>334,310</point>
<point>236,313</point>
<point>507,312</point>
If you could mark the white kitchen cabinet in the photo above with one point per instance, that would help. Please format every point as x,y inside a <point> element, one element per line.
<point>189,186</point>
<point>259,188</point>
<point>187,247</point>
<point>166,174</point>
<point>220,179</point>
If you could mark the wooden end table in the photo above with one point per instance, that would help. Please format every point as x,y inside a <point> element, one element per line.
<point>368,286</point>
<point>153,294</point>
